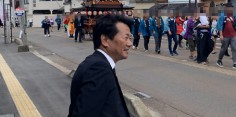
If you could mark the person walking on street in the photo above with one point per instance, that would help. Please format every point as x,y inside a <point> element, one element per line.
<point>95,90</point>
<point>158,27</point>
<point>214,32</point>
<point>30,22</point>
<point>136,34</point>
<point>58,21</point>
<point>227,27</point>
<point>1,24</point>
<point>16,22</point>
<point>46,25</point>
<point>146,30</point>
<point>52,23</point>
<point>184,31</point>
<point>71,26</point>
<point>179,22</point>
<point>204,45</point>
<point>190,38</point>
<point>66,21</point>
<point>78,27</point>
<point>171,34</point>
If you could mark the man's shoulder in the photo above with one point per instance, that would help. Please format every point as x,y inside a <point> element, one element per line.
<point>95,59</point>
<point>92,66</point>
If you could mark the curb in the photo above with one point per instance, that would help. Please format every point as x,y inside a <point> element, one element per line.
<point>18,41</point>
<point>21,47</point>
<point>137,108</point>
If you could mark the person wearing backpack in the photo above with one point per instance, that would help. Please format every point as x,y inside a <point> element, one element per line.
<point>227,27</point>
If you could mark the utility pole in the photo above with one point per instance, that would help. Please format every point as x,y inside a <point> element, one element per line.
<point>23,24</point>
<point>4,19</point>
<point>189,3</point>
<point>11,24</point>
<point>7,23</point>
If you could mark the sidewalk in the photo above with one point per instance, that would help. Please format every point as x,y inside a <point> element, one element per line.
<point>37,86</point>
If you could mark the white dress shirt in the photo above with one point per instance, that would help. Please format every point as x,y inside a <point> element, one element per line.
<point>110,60</point>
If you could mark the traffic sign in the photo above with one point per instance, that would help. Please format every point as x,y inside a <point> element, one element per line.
<point>19,11</point>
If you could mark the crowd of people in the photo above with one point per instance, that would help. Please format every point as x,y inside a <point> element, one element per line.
<point>73,24</point>
<point>199,31</point>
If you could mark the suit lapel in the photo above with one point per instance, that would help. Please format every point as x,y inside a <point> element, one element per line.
<point>121,95</point>
<point>116,80</point>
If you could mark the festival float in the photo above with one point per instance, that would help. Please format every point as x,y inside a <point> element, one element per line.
<point>92,9</point>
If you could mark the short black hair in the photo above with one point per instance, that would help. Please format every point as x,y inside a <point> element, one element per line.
<point>106,25</point>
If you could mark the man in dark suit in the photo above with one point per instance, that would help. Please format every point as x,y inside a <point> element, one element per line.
<point>95,90</point>
<point>79,22</point>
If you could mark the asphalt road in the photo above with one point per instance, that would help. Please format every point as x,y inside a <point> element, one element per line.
<point>193,89</point>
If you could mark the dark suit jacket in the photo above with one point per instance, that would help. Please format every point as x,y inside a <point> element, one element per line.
<point>95,91</point>
<point>81,21</point>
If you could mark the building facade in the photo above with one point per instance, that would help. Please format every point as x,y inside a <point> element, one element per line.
<point>36,10</point>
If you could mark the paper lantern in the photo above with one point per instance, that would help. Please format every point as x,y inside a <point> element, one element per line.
<point>83,12</point>
<point>89,12</point>
<point>104,12</point>
<point>94,12</point>
<point>100,12</point>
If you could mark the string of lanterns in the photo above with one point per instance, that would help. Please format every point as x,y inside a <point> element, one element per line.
<point>89,13</point>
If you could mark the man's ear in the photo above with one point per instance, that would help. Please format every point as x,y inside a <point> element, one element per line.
<point>104,41</point>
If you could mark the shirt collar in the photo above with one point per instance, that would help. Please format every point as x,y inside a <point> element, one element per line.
<point>110,60</point>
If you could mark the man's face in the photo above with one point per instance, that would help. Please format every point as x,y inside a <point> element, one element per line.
<point>171,15</point>
<point>119,46</point>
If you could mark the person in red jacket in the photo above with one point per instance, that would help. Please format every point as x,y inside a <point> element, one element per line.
<point>179,23</point>
<point>66,21</point>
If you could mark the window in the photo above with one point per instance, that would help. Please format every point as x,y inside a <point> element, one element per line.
<point>26,1</point>
<point>34,1</point>
<point>41,12</point>
<point>57,12</point>
<point>34,5</point>
<point>56,0</point>
<point>44,0</point>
